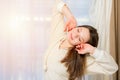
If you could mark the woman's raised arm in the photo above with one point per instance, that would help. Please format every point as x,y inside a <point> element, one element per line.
<point>71,21</point>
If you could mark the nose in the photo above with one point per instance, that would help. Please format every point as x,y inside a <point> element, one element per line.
<point>76,35</point>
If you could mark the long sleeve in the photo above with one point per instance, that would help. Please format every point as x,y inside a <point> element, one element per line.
<point>101,63</point>
<point>57,28</point>
<point>58,23</point>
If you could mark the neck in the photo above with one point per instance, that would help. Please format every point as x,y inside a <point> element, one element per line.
<point>66,45</point>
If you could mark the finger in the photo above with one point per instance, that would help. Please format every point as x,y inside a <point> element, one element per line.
<point>80,50</point>
<point>65,28</point>
<point>78,47</point>
<point>81,46</point>
<point>70,29</point>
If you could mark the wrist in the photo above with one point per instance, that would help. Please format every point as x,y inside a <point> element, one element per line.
<point>92,50</point>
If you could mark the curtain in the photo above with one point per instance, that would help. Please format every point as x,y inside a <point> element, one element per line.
<point>116,24</point>
<point>24,29</point>
<point>100,17</point>
<point>24,33</point>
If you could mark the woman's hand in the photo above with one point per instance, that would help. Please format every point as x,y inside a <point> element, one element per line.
<point>70,24</point>
<point>85,48</point>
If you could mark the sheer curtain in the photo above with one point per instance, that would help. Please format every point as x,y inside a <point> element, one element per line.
<point>24,30</point>
<point>100,17</point>
<point>100,14</point>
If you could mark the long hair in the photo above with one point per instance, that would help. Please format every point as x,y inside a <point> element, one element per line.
<point>76,63</point>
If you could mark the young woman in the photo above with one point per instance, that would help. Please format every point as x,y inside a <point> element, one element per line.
<point>72,52</point>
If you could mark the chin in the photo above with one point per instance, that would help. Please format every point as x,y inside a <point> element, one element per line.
<point>70,42</point>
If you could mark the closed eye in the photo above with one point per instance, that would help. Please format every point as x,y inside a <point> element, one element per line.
<point>79,39</point>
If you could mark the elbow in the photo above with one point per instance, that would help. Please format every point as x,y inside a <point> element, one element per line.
<point>115,69</point>
<point>112,70</point>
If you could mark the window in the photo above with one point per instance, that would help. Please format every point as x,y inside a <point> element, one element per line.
<point>80,9</point>
<point>24,35</point>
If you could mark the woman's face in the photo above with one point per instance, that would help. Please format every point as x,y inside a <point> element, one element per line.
<point>78,35</point>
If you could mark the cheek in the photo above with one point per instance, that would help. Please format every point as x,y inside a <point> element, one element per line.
<point>72,41</point>
<point>69,38</point>
<point>69,35</point>
<point>75,42</point>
